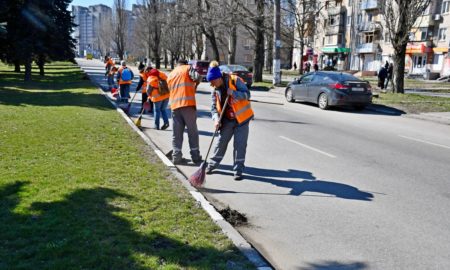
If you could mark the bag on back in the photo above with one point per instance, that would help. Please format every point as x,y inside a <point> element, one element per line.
<point>126,75</point>
<point>163,87</point>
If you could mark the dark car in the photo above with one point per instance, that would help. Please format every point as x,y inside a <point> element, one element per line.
<point>241,71</point>
<point>200,66</point>
<point>328,88</point>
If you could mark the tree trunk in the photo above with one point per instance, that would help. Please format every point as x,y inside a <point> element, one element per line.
<point>232,46</point>
<point>41,63</point>
<point>165,59</point>
<point>399,69</point>
<point>16,67</point>
<point>302,50</point>
<point>269,55</point>
<point>212,38</point>
<point>27,77</point>
<point>258,60</point>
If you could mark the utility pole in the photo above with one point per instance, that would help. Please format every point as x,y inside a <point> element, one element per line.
<point>277,44</point>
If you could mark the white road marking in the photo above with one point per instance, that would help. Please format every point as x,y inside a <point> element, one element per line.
<point>422,141</point>
<point>308,147</point>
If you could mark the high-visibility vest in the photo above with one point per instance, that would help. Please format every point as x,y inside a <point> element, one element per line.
<point>109,63</point>
<point>182,88</point>
<point>153,84</point>
<point>122,81</point>
<point>241,108</point>
<point>144,76</point>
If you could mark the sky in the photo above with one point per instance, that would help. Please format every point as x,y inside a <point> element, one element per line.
<point>86,3</point>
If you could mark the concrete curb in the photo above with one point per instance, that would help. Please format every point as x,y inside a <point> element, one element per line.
<point>251,253</point>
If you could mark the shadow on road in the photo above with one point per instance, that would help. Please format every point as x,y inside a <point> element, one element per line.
<point>333,265</point>
<point>307,183</point>
<point>86,229</point>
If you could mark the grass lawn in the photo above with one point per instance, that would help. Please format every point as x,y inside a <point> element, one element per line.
<point>80,190</point>
<point>413,103</point>
<point>417,84</point>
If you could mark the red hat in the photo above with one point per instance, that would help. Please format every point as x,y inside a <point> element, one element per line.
<point>154,72</point>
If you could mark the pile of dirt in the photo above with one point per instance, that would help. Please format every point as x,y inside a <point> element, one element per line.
<point>233,217</point>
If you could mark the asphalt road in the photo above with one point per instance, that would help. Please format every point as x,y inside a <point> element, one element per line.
<point>333,189</point>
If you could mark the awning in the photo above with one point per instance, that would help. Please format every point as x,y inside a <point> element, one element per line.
<point>421,48</point>
<point>335,50</point>
<point>440,50</point>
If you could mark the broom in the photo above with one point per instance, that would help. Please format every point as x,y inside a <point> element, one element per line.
<point>138,121</point>
<point>127,109</point>
<point>198,178</point>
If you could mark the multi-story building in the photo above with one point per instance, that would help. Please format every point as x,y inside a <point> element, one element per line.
<point>88,21</point>
<point>351,35</point>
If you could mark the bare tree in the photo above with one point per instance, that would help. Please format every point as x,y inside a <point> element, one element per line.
<point>120,31</point>
<point>400,17</point>
<point>105,32</point>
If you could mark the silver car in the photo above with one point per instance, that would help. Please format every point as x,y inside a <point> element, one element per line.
<point>329,88</point>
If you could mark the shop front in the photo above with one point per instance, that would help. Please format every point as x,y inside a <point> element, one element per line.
<point>418,58</point>
<point>335,57</point>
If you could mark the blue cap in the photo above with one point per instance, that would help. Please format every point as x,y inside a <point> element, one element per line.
<point>213,73</point>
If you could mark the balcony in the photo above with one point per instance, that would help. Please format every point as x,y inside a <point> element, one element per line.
<point>368,48</point>
<point>334,29</point>
<point>370,4</point>
<point>369,27</point>
<point>336,10</point>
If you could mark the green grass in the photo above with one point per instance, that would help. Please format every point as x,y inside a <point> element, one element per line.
<point>413,103</point>
<point>417,84</point>
<point>80,190</point>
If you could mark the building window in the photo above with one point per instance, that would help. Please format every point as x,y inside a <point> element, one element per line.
<point>442,33</point>
<point>359,18</point>
<point>423,33</point>
<point>445,7</point>
<point>331,20</point>
<point>369,17</point>
<point>349,20</point>
<point>329,39</point>
<point>248,44</point>
<point>368,38</point>
<point>339,41</point>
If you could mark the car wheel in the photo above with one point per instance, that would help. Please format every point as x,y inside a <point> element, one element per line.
<point>289,96</point>
<point>359,107</point>
<point>323,101</point>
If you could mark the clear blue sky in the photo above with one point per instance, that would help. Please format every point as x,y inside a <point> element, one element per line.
<point>87,3</point>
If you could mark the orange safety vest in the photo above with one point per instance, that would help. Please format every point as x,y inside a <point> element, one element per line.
<point>241,108</point>
<point>182,88</point>
<point>109,63</point>
<point>144,76</point>
<point>153,83</point>
<point>121,81</point>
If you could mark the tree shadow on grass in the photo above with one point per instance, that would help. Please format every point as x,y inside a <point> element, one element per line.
<point>53,98</point>
<point>299,183</point>
<point>85,231</point>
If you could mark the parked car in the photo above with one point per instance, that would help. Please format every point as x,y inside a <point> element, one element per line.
<point>200,66</point>
<point>329,88</point>
<point>241,71</point>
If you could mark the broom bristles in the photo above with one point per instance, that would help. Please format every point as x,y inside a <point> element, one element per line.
<point>138,122</point>
<point>197,179</point>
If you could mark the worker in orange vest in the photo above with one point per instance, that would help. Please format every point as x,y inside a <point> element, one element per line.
<point>125,79</point>
<point>183,81</point>
<point>143,76</point>
<point>160,100</point>
<point>236,118</point>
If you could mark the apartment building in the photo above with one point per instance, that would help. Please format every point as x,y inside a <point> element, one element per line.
<point>87,21</point>
<point>351,35</point>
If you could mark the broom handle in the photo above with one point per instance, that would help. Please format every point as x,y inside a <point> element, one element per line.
<point>217,129</point>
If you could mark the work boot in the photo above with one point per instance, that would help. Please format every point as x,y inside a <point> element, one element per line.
<point>165,126</point>
<point>179,161</point>
<point>237,176</point>
<point>197,160</point>
<point>210,169</point>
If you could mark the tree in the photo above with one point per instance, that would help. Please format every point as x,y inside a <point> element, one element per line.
<point>400,17</point>
<point>120,31</point>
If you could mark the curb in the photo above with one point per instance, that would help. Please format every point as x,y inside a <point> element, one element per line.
<point>238,240</point>
<point>427,118</point>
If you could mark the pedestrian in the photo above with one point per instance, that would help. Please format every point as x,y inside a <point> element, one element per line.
<point>386,65</point>
<point>308,67</point>
<point>390,74</point>
<point>109,63</point>
<point>382,74</point>
<point>183,81</point>
<point>160,100</point>
<point>111,74</point>
<point>236,120</point>
<point>316,67</point>
<point>143,76</point>
<point>124,78</point>
<point>295,66</point>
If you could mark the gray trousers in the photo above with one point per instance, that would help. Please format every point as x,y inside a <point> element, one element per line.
<point>185,117</point>
<point>229,129</point>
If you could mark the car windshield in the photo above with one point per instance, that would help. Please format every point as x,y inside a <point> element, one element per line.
<point>224,69</point>
<point>202,64</point>
<point>237,68</point>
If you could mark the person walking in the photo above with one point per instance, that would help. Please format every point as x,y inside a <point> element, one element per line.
<point>390,74</point>
<point>182,82</point>
<point>111,74</point>
<point>316,67</point>
<point>124,78</point>
<point>236,120</point>
<point>382,74</point>
<point>143,76</point>
<point>160,100</point>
